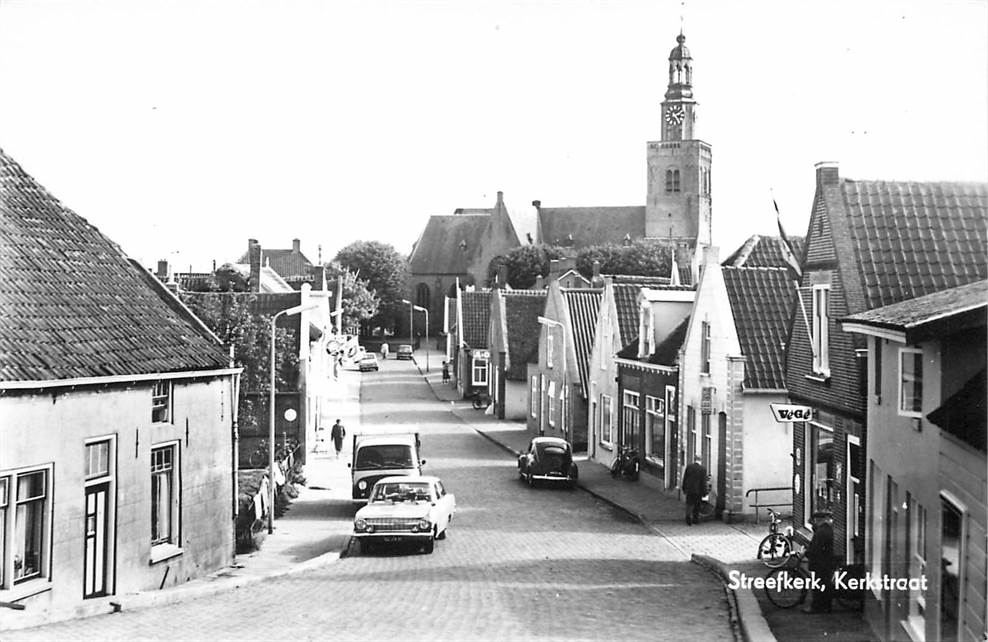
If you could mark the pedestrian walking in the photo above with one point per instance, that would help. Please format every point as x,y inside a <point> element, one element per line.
<point>820,554</point>
<point>695,486</point>
<point>445,372</point>
<point>338,433</point>
<point>385,349</point>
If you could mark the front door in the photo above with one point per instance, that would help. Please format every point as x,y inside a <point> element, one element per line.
<point>95,537</point>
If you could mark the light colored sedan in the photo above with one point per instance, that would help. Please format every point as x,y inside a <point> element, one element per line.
<point>402,509</point>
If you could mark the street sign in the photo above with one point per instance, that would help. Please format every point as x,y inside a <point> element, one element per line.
<point>788,413</point>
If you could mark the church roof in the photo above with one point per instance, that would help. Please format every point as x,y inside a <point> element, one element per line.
<point>73,305</point>
<point>449,244</point>
<point>590,225</point>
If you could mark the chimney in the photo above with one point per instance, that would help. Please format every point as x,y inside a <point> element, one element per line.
<point>214,265</point>
<point>595,280</point>
<point>296,246</point>
<point>500,199</point>
<point>162,272</point>
<point>539,283</point>
<point>537,204</point>
<point>254,258</point>
<point>826,173</point>
<point>502,276</point>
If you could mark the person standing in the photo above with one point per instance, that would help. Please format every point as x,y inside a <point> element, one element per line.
<point>445,372</point>
<point>820,554</point>
<point>385,349</point>
<point>337,434</point>
<point>694,485</point>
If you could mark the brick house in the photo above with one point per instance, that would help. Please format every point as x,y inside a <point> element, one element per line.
<point>927,479</point>
<point>869,244</point>
<point>116,471</point>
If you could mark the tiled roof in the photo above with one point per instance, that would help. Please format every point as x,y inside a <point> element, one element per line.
<point>916,312</point>
<point>584,306</point>
<point>590,225</point>
<point>964,414</point>
<point>761,301</point>
<point>72,305</point>
<point>912,239</point>
<point>522,310</point>
<point>763,251</point>
<point>449,244</point>
<point>476,317</point>
<point>626,302</point>
<point>289,264</point>
<point>634,279</point>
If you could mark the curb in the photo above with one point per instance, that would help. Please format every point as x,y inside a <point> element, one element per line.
<point>744,609</point>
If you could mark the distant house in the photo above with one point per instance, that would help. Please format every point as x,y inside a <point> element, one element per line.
<point>732,370</point>
<point>558,383</point>
<point>644,413</point>
<point>471,356</point>
<point>289,264</point>
<point>927,424</point>
<point>457,248</point>
<point>116,465</point>
<point>514,343</point>
<point>869,244</point>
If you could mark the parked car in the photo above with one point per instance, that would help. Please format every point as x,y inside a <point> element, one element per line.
<point>403,509</point>
<point>368,362</point>
<point>548,459</point>
<point>404,352</point>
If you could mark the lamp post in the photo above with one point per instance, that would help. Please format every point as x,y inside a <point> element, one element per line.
<point>550,323</point>
<point>271,434</point>
<point>411,321</point>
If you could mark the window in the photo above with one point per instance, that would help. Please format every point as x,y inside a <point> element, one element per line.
<point>160,401</point>
<point>953,556</point>
<point>535,396</point>
<point>630,418</point>
<point>910,382</point>
<point>422,296</point>
<point>605,420</point>
<point>668,180</point>
<point>655,429</point>
<point>705,347</point>
<point>708,442</point>
<point>97,459</point>
<point>822,458</point>
<point>877,383</point>
<point>551,403</point>
<point>672,409</point>
<point>691,434</point>
<point>25,525</point>
<point>548,347</point>
<point>672,180</point>
<point>562,408</point>
<point>876,523</point>
<point>479,369</point>
<point>821,329</point>
<point>916,537</point>
<point>164,495</point>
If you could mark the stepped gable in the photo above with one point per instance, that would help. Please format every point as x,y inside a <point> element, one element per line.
<point>72,305</point>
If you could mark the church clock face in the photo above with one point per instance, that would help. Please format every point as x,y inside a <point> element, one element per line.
<point>675,114</point>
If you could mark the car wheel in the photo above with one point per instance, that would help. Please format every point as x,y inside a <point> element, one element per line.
<point>430,545</point>
<point>442,535</point>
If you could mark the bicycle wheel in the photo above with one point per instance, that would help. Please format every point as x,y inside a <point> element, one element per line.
<point>775,549</point>
<point>786,587</point>
<point>707,506</point>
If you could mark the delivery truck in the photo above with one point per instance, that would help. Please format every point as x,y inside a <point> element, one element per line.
<point>377,455</point>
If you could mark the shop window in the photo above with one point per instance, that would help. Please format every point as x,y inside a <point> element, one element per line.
<point>822,459</point>
<point>655,429</point>
<point>630,419</point>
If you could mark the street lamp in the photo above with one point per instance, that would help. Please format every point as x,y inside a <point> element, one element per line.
<point>411,308</point>
<point>274,320</point>
<point>549,323</point>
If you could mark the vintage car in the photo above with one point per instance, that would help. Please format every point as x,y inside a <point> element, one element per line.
<point>415,510</point>
<point>404,352</point>
<point>548,459</point>
<point>368,362</point>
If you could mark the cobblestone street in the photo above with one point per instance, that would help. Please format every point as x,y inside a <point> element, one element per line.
<point>519,563</point>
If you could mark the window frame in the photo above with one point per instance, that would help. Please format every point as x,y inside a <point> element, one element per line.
<point>550,395</point>
<point>12,587</point>
<point>606,420</point>
<point>820,306</point>
<point>534,398</point>
<point>917,381</point>
<point>811,456</point>
<point>162,394</point>
<point>478,365</point>
<point>630,415</point>
<point>164,548</point>
<point>655,414</point>
<point>549,347</point>
<point>705,347</point>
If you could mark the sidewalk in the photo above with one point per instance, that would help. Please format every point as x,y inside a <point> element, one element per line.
<point>313,532</point>
<point>719,546</point>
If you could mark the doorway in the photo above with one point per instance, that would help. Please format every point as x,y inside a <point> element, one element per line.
<point>96,528</point>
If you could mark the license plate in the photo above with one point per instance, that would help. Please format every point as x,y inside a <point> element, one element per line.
<point>392,540</point>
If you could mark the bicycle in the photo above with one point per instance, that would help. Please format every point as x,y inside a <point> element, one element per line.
<point>708,503</point>
<point>776,548</point>
<point>786,586</point>
<point>284,454</point>
<point>481,400</point>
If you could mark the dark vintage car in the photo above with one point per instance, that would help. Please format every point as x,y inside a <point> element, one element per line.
<point>548,459</point>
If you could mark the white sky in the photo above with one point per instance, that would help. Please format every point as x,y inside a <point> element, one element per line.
<point>183,128</point>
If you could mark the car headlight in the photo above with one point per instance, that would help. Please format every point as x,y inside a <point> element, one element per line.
<point>362,485</point>
<point>424,524</point>
<point>360,524</point>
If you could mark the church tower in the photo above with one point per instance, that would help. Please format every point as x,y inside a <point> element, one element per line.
<point>677,206</point>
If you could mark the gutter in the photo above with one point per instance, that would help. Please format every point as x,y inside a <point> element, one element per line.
<point>93,381</point>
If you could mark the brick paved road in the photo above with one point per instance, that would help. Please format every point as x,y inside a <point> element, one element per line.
<point>548,564</point>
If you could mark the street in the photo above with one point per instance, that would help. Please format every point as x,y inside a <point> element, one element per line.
<point>519,563</point>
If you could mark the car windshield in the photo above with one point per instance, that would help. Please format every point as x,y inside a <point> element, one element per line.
<point>402,492</point>
<point>384,456</point>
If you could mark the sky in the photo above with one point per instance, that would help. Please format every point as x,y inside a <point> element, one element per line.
<point>183,128</point>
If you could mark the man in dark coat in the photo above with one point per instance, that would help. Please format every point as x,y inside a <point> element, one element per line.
<point>695,486</point>
<point>338,434</point>
<point>820,554</point>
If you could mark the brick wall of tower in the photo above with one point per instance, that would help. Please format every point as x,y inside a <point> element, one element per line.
<point>686,213</point>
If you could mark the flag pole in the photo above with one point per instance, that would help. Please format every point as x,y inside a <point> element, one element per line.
<point>795,270</point>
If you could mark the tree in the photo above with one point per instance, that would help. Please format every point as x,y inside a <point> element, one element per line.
<point>641,258</point>
<point>525,264</point>
<point>359,303</point>
<point>384,270</point>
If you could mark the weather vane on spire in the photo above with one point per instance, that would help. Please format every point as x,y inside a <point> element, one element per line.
<point>682,12</point>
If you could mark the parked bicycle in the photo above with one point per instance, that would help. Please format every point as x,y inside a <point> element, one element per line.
<point>283,454</point>
<point>708,503</point>
<point>481,400</point>
<point>776,548</point>
<point>787,586</point>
